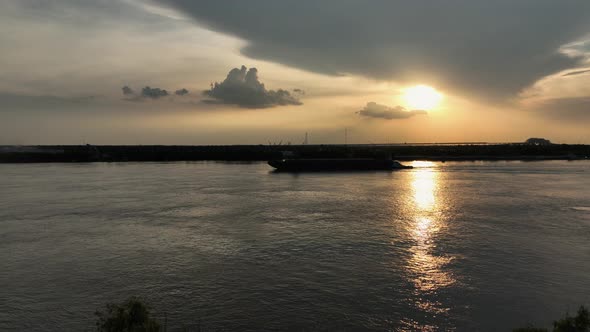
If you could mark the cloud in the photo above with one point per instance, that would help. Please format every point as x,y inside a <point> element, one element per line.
<point>572,109</point>
<point>181,92</point>
<point>374,110</point>
<point>146,93</point>
<point>153,93</point>
<point>127,91</point>
<point>18,102</point>
<point>486,48</point>
<point>577,72</point>
<point>243,88</point>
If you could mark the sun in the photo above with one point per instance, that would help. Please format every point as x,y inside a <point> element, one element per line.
<point>422,97</point>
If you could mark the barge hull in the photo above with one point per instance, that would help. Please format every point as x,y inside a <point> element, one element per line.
<point>316,165</point>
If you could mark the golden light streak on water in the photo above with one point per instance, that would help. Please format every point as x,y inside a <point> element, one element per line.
<point>427,269</point>
<point>424,186</point>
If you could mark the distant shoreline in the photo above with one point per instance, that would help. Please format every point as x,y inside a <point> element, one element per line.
<point>402,152</point>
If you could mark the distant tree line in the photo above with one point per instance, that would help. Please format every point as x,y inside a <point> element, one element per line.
<point>117,153</point>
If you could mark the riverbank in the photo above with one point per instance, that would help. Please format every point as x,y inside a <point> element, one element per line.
<point>404,152</point>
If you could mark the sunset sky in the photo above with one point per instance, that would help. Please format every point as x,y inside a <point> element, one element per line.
<point>260,71</point>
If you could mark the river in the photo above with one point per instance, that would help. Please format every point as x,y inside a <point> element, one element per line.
<point>483,246</point>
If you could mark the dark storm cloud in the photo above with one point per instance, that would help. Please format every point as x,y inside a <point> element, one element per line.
<point>575,109</point>
<point>489,48</point>
<point>577,72</point>
<point>243,88</point>
<point>82,14</point>
<point>374,110</point>
<point>181,92</point>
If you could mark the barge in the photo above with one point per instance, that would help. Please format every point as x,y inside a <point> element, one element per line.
<point>347,164</point>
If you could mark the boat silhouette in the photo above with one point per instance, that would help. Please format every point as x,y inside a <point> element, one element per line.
<point>344,164</point>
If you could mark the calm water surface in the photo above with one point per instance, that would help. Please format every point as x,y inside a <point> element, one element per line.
<point>467,246</point>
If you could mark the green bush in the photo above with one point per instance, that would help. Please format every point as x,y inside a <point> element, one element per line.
<point>578,323</point>
<point>130,316</point>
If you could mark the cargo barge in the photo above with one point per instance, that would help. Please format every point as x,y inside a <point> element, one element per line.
<point>345,164</point>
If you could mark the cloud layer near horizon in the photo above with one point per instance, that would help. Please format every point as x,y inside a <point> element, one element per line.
<point>487,48</point>
<point>374,110</point>
<point>242,87</point>
<point>572,109</point>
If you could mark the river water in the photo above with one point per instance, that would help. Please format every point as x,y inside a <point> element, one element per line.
<point>445,246</point>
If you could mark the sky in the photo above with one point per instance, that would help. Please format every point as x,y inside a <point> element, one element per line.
<point>267,71</point>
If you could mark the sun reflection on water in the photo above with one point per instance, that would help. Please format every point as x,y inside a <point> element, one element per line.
<point>426,267</point>
<point>424,185</point>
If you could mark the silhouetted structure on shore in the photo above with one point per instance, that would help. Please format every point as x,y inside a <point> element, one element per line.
<point>122,153</point>
<point>538,141</point>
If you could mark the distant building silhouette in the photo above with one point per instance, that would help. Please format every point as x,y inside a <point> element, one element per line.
<point>538,141</point>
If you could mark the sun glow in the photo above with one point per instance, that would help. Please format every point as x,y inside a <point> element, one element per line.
<point>422,97</point>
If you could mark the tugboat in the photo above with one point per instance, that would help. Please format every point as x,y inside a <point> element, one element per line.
<point>344,164</point>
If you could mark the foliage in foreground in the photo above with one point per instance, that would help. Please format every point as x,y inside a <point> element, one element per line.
<point>578,323</point>
<point>130,316</point>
